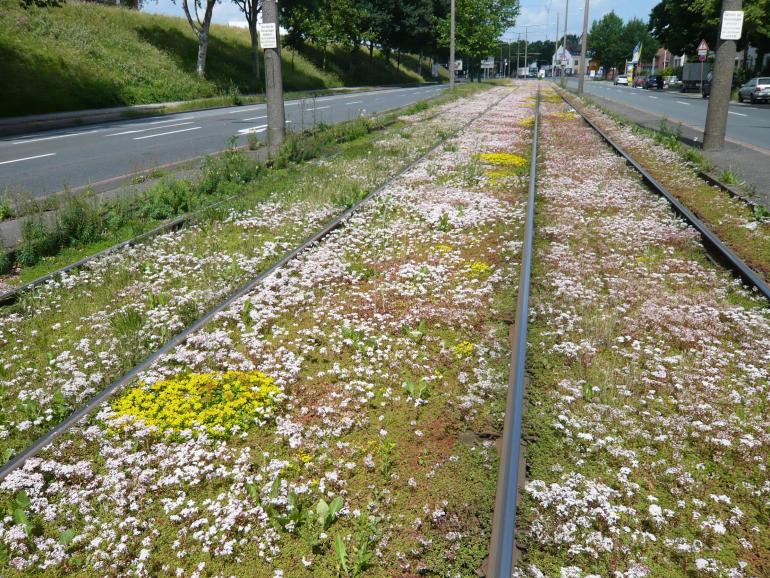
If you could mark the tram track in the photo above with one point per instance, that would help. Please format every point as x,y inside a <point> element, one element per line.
<point>116,385</point>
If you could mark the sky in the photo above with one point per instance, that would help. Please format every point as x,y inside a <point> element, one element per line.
<point>535,15</point>
<point>540,22</point>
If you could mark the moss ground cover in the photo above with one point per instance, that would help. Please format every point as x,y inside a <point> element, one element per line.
<point>389,342</point>
<point>75,335</point>
<point>746,231</point>
<point>646,424</point>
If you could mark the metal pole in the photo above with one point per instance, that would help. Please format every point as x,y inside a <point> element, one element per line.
<point>526,62</point>
<point>583,47</point>
<point>564,46</point>
<point>276,115</point>
<point>555,46</point>
<point>518,52</point>
<point>451,45</point>
<point>508,64</point>
<point>721,87</point>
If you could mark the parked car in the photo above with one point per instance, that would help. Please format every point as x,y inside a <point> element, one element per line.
<point>622,79</point>
<point>706,88</point>
<point>655,81</point>
<point>755,90</point>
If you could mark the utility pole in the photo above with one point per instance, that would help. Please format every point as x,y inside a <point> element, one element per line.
<point>451,45</point>
<point>518,52</point>
<point>555,46</point>
<point>509,60</point>
<point>564,47</point>
<point>526,63</point>
<point>583,46</point>
<point>722,80</point>
<point>271,44</point>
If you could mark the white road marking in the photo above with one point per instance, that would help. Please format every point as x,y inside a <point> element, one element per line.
<point>254,118</point>
<point>245,108</point>
<point>253,129</point>
<point>736,113</point>
<point>257,129</point>
<point>317,108</point>
<point>146,129</point>
<point>27,159</point>
<point>54,137</point>
<point>655,97</point>
<point>355,102</point>
<point>684,103</point>
<point>165,133</point>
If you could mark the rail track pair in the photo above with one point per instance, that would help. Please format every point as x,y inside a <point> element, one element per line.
<point>502,550</point>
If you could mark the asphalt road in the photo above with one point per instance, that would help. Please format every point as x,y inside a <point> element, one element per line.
<point>47,162</point>
<point>746,123</point>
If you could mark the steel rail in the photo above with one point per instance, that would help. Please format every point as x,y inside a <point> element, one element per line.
<point>711,240</point>
<point>12,295</point>
<point>502,544</point>
<point>83,411</point>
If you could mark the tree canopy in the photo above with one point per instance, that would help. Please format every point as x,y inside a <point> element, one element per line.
<point>681,24</point>
<point>479,24</point>
<point>612,41</point>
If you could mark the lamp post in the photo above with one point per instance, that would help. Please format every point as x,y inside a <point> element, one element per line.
<point>452,45</point>
<point>583,46</point>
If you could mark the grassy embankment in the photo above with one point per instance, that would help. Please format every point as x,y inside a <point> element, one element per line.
<point>84,56</point>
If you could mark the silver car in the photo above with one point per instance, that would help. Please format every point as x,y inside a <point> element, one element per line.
<point>755,90</point>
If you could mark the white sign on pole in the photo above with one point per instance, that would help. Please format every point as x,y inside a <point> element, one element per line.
<point>458,65</point>
<point>489,63</point>
<point>703,48</point>
<point>732,25</point>
<point>267,36</point>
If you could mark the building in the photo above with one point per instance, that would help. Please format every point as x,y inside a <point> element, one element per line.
<point>572,65</point>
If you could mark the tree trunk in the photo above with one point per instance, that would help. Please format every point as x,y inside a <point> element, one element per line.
<point>419,64</point>
<point>202,32</point>
<point>324,60</point>
<point>203,46</point>
<point>254,50</point>
<point>371,51</point>
<point>398,60</point>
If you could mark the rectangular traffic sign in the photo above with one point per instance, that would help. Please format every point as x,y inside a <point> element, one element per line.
<point>267,36</point>
<point>732,25</point>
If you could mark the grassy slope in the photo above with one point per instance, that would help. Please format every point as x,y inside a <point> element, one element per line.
<point>90,56</point>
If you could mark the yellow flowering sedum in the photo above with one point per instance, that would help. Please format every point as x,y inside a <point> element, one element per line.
<point>219,403</point>
<point>479,269</point>
<point>504,160</point>
<point>463,349</point>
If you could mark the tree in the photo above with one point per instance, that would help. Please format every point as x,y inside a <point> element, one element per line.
<point>637,31</point>
<point>479,24</point>
<point>606,40</point>
<point>544,50</point>
<point>681,24</point>
<point>251,9</point>
<point>200,28</point>
<point>308,21</point>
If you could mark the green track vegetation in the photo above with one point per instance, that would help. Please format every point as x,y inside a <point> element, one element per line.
<point>84,55</point>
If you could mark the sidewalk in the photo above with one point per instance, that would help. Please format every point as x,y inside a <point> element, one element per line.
<point>751,164</point>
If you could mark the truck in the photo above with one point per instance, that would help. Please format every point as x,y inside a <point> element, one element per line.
<point>691,76</point>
